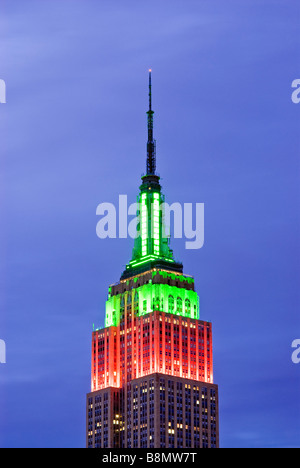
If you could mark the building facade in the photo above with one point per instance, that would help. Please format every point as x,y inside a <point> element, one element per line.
<point>152,364</point>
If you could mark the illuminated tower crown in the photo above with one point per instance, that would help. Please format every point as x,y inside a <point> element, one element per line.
<point>151,247</point>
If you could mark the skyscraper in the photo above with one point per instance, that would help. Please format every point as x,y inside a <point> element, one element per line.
<point>152,364</point>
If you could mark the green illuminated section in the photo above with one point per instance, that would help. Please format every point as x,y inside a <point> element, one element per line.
<point>113,308</point>
<point>167,274</point>
<point>156,224</point>
<point>150,243</point>
<point>150,297</point>
<point>144,221</point>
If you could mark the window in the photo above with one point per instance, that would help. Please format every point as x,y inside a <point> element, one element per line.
<point>187,306</point>
<point>171,304</point>
<point>156,303</point>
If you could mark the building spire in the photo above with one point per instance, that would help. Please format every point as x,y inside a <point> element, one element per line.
<point>150,95</point>
<point>151,144</point>
<point>152,244</point>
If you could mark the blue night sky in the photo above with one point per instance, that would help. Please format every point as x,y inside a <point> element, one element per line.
<point>73,135</point>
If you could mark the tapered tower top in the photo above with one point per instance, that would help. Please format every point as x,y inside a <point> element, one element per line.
<point>151,246</point>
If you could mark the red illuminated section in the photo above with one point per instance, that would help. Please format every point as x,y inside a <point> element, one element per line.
<point>105,358</point>
<point>154,343</point>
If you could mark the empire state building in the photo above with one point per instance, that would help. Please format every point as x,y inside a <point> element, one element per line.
<point>152,364</point>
